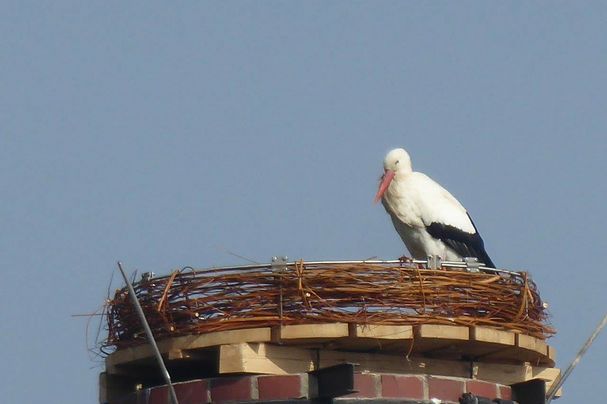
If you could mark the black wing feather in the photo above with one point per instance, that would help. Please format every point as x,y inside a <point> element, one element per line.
<point>464,243</point>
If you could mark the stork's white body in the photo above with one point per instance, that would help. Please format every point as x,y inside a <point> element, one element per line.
<point>414,201</point>
<point>427,217</point>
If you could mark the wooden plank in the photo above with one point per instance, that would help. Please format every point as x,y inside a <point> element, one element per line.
<point>189,342</point>
<point>492,336</point>
<point>386,338</point>
<point>301,333</point>
<point>518,355</point>
<point>510,374</point>
<point>525,349</point>
<point>549,375</point>
<point>372,362</point>
<point>532,344</point>
<point>397,332</point>
<point>217,338</point>
<point>502,373</point>
<point>176,354</point>
<point>485,341</point>
<point>448,332</point>
<point>532,350</point>
<point>444,341</point>
<point>265,359</point>
<point>551,353</point>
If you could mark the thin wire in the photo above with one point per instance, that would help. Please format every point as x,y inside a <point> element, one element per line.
<point>241,257</point>
<point>150,336</point>
<point>560,380</point>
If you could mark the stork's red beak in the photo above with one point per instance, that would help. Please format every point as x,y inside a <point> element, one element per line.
<point>386,179</point>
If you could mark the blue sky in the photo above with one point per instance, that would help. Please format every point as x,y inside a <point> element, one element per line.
<point>165,134</point>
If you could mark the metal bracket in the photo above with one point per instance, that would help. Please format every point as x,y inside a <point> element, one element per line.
<point>279,266</point>
<point>434,262</point>
<point>334,381</point>
<point>530,392</point>
<point>472,264</point>
<point>279,263</point>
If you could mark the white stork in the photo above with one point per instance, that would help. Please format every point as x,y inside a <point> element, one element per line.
<point>427,217</point>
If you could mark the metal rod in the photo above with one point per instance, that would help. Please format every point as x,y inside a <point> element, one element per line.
<point>150,336</point>
<point>560,380</point>
<point>449,264</point>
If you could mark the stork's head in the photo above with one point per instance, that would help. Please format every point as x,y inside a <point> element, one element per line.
<point>396,161</point>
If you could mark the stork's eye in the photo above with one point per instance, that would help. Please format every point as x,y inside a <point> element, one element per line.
<point>397,161</point>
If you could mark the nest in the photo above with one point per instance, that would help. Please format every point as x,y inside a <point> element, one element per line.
<point>390,293</point>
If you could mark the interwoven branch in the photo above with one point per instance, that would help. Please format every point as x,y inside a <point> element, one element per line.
<point>192,302</point>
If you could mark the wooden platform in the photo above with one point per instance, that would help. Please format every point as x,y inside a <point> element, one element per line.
<point>464,352</point>
<point>477,344</point>
<point>266,358</point>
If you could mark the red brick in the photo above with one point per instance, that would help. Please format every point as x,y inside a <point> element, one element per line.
<point>505,392</point>
<point>445,389</point>
<point>395,386</point>
<point>480,388</point>
<point>235,388</point>
<point>159,395</point>
<point>366,386</point>
<point>194,392</point>
<point>279,387</point>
